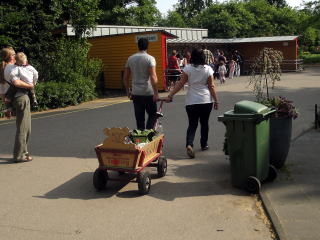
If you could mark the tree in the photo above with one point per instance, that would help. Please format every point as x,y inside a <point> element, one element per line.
<point>137,12</point>
<point>27,25</point>
<point>81,14</point>
<point>266,70</point>
<point>190,9</point>
<point>233,20</point>
<point>278,3</point>
<point>173,19</point>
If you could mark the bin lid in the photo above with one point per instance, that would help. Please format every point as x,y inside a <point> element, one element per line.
<point>249,107</point>
<point>246,110</point>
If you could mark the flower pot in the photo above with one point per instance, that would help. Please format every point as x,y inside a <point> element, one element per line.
<point>280,139</point>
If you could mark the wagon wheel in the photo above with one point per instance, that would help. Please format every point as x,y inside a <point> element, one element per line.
<point>253,185</point>
<point>162,166</point>
<point>100,178</point>
<point>272,175</point>
<point>144,182</point>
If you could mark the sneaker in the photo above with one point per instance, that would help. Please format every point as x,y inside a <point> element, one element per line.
<point>205,148</point>
<point>190,151</point>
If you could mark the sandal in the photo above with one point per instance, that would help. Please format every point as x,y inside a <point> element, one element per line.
<point>27,158</point>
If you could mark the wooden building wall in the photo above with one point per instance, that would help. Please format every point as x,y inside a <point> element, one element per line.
<point>249,51</point>
<point>288,48</point>
<point>115,50</point>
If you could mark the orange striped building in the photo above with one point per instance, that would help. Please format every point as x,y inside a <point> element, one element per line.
<point>114,51</point>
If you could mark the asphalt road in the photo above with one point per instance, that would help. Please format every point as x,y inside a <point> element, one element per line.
<point>53,196</point>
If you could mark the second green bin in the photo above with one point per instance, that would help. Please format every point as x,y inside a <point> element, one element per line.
<point>247,139</point>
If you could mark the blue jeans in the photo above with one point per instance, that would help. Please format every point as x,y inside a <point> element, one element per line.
<point>195,113</point>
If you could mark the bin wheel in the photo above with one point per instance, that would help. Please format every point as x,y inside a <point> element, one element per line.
<point>100,178</point>
<point>144,182</point>
<point>272,175</point>
<point>253,184</point>
<point>162,166</point>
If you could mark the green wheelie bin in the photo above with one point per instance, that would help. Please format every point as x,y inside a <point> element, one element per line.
<point>247,139</point>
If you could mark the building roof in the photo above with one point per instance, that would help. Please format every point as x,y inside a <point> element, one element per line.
<point>235,40</point>
<point>169,35</point>
<point>105,30</point>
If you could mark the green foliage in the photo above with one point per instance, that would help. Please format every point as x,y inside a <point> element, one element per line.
<point>82,14</point>
<point>70,75</point>
<point>310,38</point>
<point>61,94</point>
<point>226,20</point>
<point>70,61</point>
<point>27,26</point>
<point>190,9</point>
<point>131,13</point>
<point>278,3</point>
<point>284,107</point>
<point>173,19</point>
<point>265,71</point>
<point>311,58</point>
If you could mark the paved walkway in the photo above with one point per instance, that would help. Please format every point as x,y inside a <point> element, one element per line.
<point>293,200</point>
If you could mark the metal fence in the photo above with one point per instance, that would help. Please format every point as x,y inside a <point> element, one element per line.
<point>286,66</point>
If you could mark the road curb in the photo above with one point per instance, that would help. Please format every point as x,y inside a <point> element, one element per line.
<point>275,222</point>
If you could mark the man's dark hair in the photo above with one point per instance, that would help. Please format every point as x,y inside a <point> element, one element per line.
<point>143,44</point>
<point>204,47</point>
<point>197,57</point>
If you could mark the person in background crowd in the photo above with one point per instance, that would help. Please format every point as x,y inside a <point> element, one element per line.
<point>208,55</point>
<point>199,98</point>
<point>222,71</point>
<point>238,59</point>
<point>144,93</point>
<point>186,59</point>
<point>222,58</point>
<point>216,74</point>
<point>174,70</point>
<point>231,63</point>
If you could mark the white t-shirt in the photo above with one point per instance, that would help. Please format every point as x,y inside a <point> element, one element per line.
<point>222,68</point>
<point>198,91</point>
<point>139,65</point>
<point>26,73</point>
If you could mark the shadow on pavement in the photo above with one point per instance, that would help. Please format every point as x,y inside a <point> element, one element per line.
<point>169,191</point>
<point>81,187</point>
<point>6,161</point>
<point>200,183</point>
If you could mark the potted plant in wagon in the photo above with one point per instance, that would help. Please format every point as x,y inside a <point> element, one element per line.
<point>266,70</point>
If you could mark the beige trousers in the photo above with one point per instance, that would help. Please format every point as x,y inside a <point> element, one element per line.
<point>23,125</point>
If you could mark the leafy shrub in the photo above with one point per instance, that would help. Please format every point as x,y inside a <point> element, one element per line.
<point>311,58</point>
<point>284,107</point>
<point>68,77</point>
<point>58,94</point>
